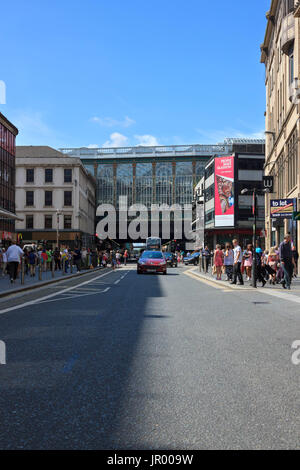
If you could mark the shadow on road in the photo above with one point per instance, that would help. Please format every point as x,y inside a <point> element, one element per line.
<point>68,365</point>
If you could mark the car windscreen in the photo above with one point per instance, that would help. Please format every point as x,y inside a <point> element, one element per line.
<point>152,255</point>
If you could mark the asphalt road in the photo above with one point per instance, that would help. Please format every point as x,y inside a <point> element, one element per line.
<point>119,361</point>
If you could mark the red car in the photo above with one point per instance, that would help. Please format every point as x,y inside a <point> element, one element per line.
<point>152,262</point>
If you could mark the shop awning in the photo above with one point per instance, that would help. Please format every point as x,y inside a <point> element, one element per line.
<point>9,215</point>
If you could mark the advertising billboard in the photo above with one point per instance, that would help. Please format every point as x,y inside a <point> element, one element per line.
<point>283,208</point>
<point>224,191</point>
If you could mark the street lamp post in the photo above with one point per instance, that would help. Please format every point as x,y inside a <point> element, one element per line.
<point>58,213</point>
<point>254,208</point>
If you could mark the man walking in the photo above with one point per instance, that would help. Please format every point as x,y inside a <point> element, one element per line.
<point>14,255</point>
<point>287,262</point>
<point>238,257</point>
<point>77,258</point>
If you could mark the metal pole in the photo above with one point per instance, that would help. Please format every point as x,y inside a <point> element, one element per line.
<point>71,263</point>
<point>40,269</point>
<point>63,266</point>
<point>52,266</point>
<point>22,271</point>
<point>57,229</point>
<point>254,264</point>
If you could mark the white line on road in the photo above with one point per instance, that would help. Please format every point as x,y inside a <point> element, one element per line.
<point>281,295</point>
<point>36,301</point>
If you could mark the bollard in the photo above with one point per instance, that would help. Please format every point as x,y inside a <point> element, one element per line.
<point>63,266</point>
<point>52,266</point>
<point>40,269</point>
<point>200,263</point>
<point>22,271</point>
<point>71,263</point>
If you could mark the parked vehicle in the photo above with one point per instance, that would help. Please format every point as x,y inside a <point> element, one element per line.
<point>192,259</point>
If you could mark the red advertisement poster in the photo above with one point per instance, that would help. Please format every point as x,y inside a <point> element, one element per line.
<point>224,191</point>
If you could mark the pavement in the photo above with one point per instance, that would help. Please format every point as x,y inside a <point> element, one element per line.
<point>113,360</point>
<point>8,288</point>
<point>270,289</point>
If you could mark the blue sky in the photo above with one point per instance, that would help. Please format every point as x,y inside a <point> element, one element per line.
<point>130,72</point>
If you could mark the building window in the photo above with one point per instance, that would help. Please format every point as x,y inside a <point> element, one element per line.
<point>29,198</point>
<point>68,175</point>
<point>281,176</point>
<point>288,7</point>
<point>48,221</point>
<point>48,198</point>
<point>29,221</point>
<point>67,221</point>
<point>67,198</point>
<point>292,161</point>
<point>30,175</point>
<point>48,175</point>
<point>291,64</point>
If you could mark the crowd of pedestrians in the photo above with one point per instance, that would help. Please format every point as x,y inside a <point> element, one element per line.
<point>279,265</point>
<point>60,259</point>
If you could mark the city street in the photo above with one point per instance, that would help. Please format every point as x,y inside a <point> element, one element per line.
<point>113,360</point>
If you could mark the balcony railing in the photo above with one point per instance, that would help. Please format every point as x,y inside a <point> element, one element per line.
<point>288,32</point>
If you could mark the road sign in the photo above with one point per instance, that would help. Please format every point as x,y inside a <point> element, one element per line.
<point>268,182</point>
<point>283,208</point>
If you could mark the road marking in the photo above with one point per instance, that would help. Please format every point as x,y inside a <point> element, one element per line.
<point>204,281</point>
<point>41,299</point>
<point>117,281</point>
<point>281,295</point>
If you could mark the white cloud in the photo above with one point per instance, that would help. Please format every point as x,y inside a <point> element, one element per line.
<point>32,122</point>
<point>116,140</point>
<point>218,136</point>
<point>146,140</point>
<point>110,122</point>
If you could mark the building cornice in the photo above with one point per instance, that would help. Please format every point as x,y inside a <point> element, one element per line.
<point>268,34</point>
<point>297,10</point>
<point>6,123</point>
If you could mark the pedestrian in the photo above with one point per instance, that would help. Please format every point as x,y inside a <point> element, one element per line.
<point>57,258</point>
<point>65,259</point>
<point>248,261</point>
<point>49,259</point>
<point>237,262</point>
<point>260,269</point>
<point>26,261</point>
<point>206,255</point>
<point>287,261</point>
<point>14,254</point>
<point>4,262</point>
<point>44,257</point>
<point>228,261</point>
<point>125,257</point>
<point>113,259</point>
<point>218,261</point>
<point>271,265</point>
<point>118,258</point>
<point>77,258</point>
<point>32,258</point>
